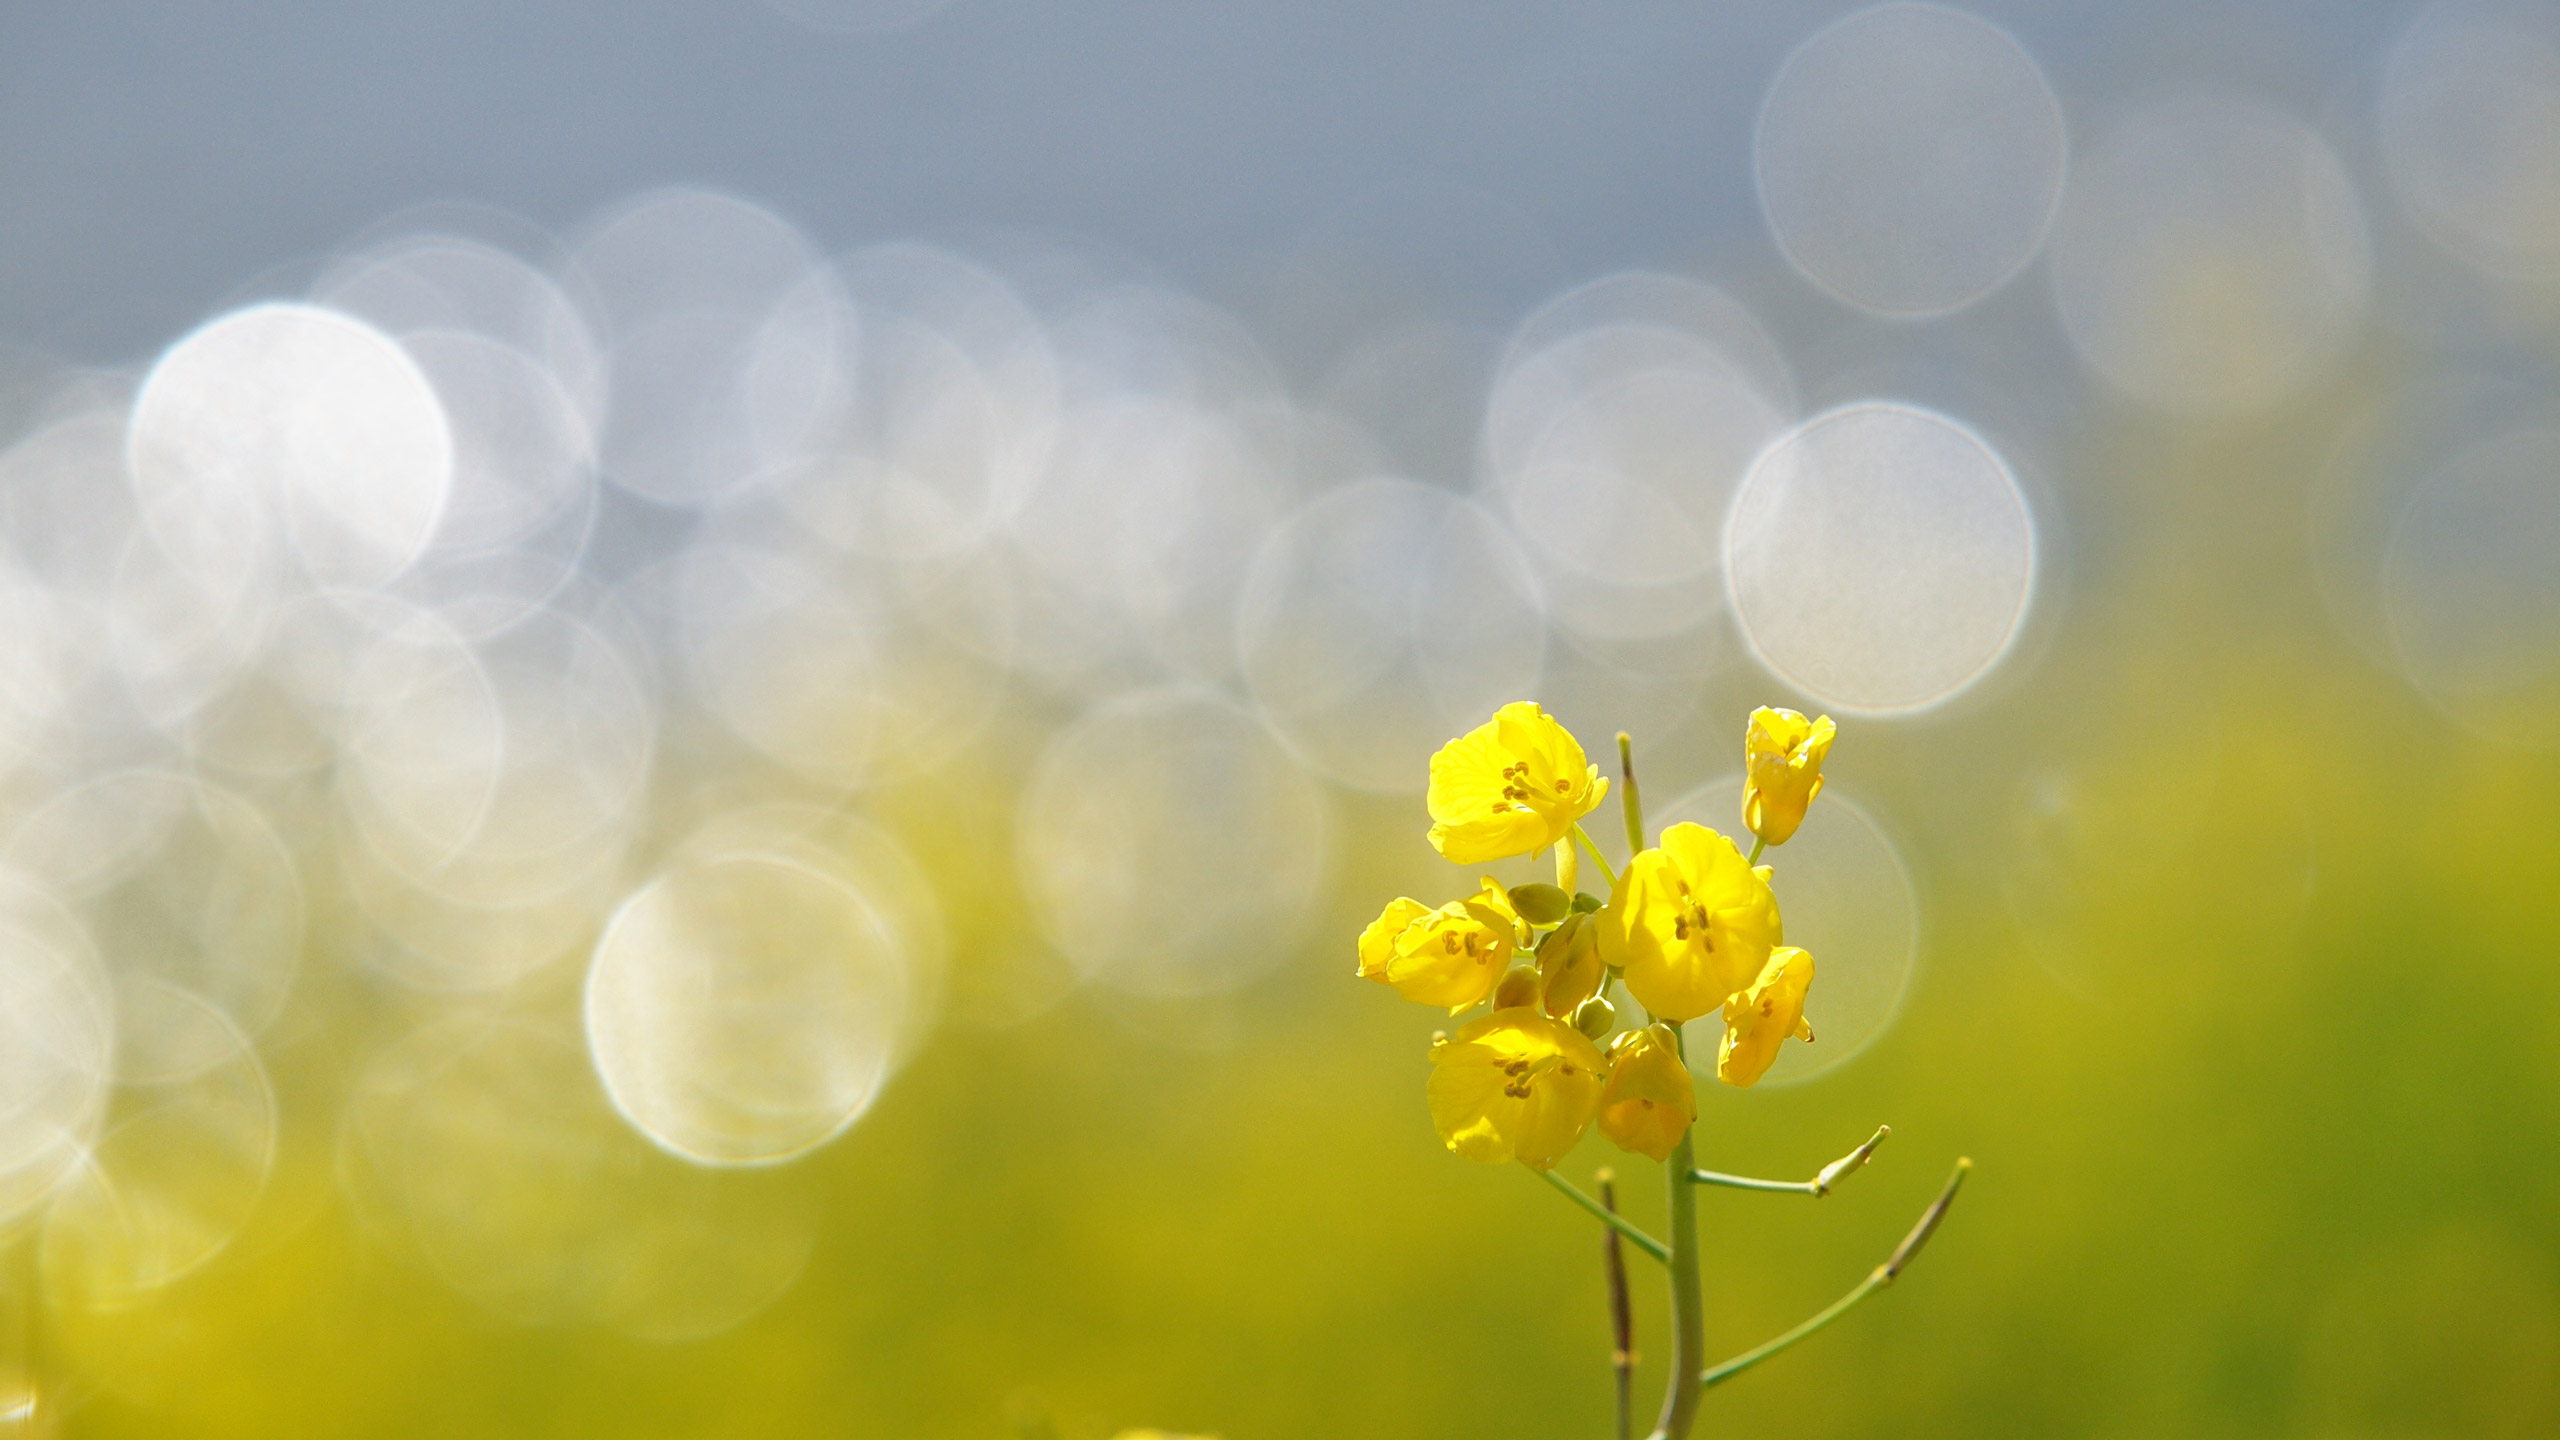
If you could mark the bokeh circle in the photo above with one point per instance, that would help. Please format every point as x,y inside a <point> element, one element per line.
<point>1909,159</point>
<point>1881,557</point>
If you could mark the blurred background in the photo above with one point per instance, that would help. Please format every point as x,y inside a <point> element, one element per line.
<point>699,701</point>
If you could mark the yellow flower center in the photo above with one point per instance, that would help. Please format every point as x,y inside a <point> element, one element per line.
<point>1520,789</point>
<point>1691,914</point>
<point>1523,1071</point>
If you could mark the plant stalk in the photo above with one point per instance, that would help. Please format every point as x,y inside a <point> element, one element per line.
<point>1688,1308</point>
<point>1622,1320</point>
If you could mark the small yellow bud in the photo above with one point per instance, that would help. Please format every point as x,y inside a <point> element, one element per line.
<point>1782,754</point>
<point>1540,904</point>
<point>1518,988</point>
<point>1594,1017</point>
<point>1512,786</point>
<point>1649,1100</point>
<point>1757,1019</point>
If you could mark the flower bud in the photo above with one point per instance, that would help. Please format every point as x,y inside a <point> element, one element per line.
<point>1569,966</point>
<point>1586,902</point>
<point>1520,987</point>
<point>1540,904</point>
<point>1649,1101</point>
<point>1782,755</point>
<point>1594,1016</point>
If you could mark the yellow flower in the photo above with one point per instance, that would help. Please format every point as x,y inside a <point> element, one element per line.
<point>1649,1102</point>
<point>1782,760</point>
<point>1514,1085</point>
<point>1689,922</point>
<point>1451,956</point>
<point>1512,786</point>
<point>1757,1019</point>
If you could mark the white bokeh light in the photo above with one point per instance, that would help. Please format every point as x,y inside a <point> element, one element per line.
<point>732,344</point>
<point>483,1152</point>
<point>2471,588</point>
<point>1382,618</point>
<point>179,1174</point>
<point>178,880</point>
<point>416,285</point>
<point>297,421</point>
<point>1909,159</point>
<point>1169,847</point>
<point>2470,129</point>
<point>1881,557</point>
<point>2211,258</point>
<point>57,1013</point>
<point>744,1008</point>
<point>1619,449</point>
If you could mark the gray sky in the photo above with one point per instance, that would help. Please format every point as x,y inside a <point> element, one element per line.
<point>157,158</point>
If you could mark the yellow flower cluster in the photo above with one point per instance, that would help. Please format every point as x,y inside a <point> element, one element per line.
<point>1689,927</point>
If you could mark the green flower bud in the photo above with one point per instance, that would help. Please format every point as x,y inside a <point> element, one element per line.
<point>1594,1016</point>
<point>1540,904</point>
<point>1520,987</point>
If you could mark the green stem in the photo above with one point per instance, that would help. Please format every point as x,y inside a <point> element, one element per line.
<point>1593,850</point>
<point>1757,845</point>
<point>1817,1187</point>
<point>1745,1182</point>
<point>1609,1217</point>
<point>1628,801</point>
<point>1688,1308</point>
<point>1877,1279</point>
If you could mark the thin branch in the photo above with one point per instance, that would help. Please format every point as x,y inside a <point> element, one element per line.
<point>1817,1187</point>
<point>1610,1218</point>
<point>1877,1279</point>
<point>1622,1319</point>
<point>1593,850</point>
<point>1909,1249</point>
<point>1745,1182</point>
